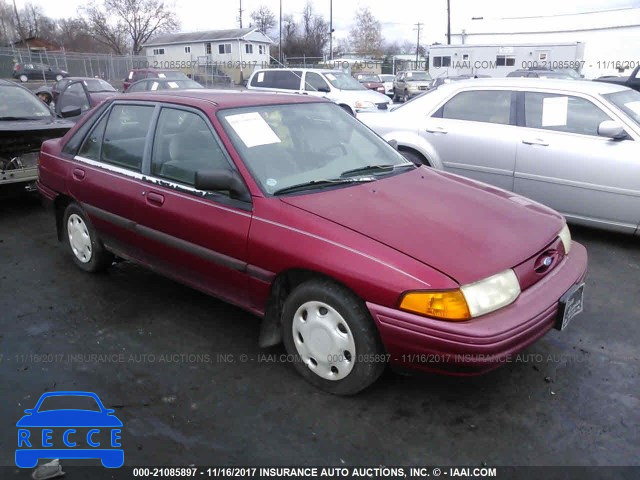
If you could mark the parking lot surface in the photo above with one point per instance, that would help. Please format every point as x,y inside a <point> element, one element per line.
<point>186,377</point>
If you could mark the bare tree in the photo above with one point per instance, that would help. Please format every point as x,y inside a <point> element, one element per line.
<point>308,38</point>
<point>263,19</point>
<point>366,35</point>
<point>122,23</point>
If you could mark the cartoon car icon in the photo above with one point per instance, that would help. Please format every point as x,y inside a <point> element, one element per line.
<point>31,448</point>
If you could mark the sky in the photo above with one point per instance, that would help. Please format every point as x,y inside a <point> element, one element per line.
<point>397,17</point>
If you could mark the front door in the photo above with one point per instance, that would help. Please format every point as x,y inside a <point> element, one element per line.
<point>198,237</point>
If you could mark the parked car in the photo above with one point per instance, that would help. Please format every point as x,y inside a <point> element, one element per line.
<point>572,145</point>
<point>139,73</point>
<point>80,95</point>
<point>541,73</point>
<point>290,208</point>
<point>25,122</point>
<point>436,82</point>
<point>153,84</point>
<point>409,84</point>
<point>92,84</point>
<point>37,71</point>
<point>632,81</point>
<point>337,86</point>
<point>370,81</point>
<point>387,81</point>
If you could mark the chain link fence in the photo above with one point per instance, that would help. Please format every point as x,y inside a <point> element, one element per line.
<point>113,68</point>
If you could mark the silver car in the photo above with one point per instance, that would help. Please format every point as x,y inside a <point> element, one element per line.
<point>572,145</point>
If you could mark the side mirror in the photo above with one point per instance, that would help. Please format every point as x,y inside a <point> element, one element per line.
<point>223,179</point>
<point>393,143</point>
<point>70,111</point>
<point>324,90</point>
<point>611,129</point>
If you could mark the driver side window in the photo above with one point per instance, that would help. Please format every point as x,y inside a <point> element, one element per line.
<point>73,96</point>
<point>184,145</point>
<point>314,82</point>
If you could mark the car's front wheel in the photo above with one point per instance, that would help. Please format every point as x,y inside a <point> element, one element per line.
<point>331,338</point>
<point>23,78</point>
<point>86,249</point>
<point>58,77</point>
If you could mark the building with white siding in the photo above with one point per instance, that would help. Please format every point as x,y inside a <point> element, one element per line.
<point>610,37</point>
<point>236,52</point>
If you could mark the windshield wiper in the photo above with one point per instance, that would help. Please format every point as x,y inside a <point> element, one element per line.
<point>321,183</point>
<point>375,168</point>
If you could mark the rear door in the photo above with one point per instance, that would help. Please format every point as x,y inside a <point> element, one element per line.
<point>107,175</point>
<point>196,236</point>
<point>474,135</point>
<point>562,162</point>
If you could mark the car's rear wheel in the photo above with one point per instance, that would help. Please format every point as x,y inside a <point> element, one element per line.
<point>329,333</point>
<point>405,97</point>
<point>86,249</point>
<point>58,77</point>
<point>396,98</point>
<point>23,78</point>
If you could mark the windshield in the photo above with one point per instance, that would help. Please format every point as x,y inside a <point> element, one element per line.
<point>66,402</point>
<point>171,74</point>
<point>417,77</point>
<point>368,78</point>
<point>342,81</point>
<point>286,145</point>
<point>21,104</point>
<point>387,78</point>
<point>628,101</point>
<point>97,85</point>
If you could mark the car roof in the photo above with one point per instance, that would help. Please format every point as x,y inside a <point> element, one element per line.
<point>302,69</point>
<point>580,86</point>
<point>221,98</point>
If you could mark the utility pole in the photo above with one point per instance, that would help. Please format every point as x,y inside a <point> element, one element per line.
<point>280,49</point>
<point>330,29</point>
<point>240,16</point>
<point>448,22</point>
<point>418,28</point>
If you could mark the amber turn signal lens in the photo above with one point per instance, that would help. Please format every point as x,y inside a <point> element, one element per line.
<point>447,305</point>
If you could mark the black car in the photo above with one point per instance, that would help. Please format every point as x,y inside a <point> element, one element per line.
<point>632,81</point>
<point>37,71</point>
<point>153,84</point>
<point>25,122</point>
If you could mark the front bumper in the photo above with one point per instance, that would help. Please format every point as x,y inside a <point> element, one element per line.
<point>484,343</point>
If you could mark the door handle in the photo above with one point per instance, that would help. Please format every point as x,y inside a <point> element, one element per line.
<point>78,173</point>
<point>155,199</point>
<point>435,130</point>
<point>535,141</point>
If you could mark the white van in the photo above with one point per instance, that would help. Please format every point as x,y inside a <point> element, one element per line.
<point>335,85</point>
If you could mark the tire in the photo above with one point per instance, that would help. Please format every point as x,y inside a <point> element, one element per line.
<point>87,251</point>
<point>405,97</point>
<point>58,77</point>
<point>395,98</point>
<point>347,109</point>
<point>414,157</point>
<point>343,353</point>
<point>23,78</point>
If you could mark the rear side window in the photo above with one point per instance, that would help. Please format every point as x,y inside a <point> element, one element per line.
<point>284,79</point>
<point>91,146</point>
<point>488,106</point>
<point>562,113</point>
<point>125,135</point>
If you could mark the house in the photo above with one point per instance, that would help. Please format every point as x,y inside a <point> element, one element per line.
<point>236,52</point>
<point>36,44</point>
<point>497,60</point>
<point>610,37</point>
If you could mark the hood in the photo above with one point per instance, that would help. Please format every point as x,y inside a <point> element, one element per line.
<point>419,83</point>
<point>353,96</point>
<point>23,136</point>
<point>465,229</point>
<point>373,84</point>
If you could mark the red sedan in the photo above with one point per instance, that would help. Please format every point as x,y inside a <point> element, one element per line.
<point>293,210</point>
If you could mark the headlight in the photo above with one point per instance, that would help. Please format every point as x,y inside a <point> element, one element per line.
<point>361,104</point>
<point>565,237</point>
<point>469,301</point>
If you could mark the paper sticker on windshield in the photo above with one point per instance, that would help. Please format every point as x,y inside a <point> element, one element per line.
<point>162,75</point>
<point>634,107</point>
<point>554,111</point>
<point>260,77</point>
<point>172,84</point>
<point>252,129</point>
<point>154,86</point>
